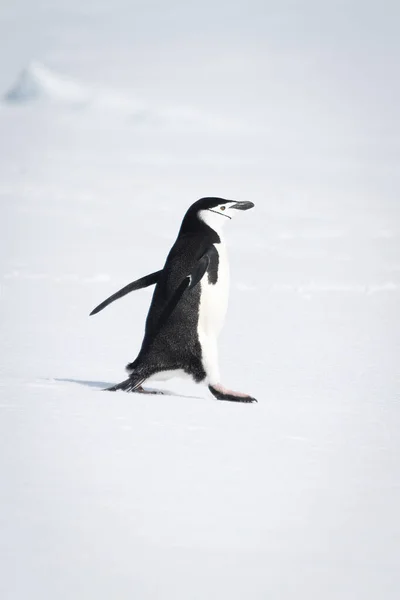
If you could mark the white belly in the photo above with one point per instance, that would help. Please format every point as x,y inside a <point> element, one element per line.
<point>214,297</point>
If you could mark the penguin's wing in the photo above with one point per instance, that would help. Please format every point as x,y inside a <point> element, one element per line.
<point>131,287</point>
<point>189,282</point>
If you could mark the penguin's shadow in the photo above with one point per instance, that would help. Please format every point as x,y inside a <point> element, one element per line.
<point>103,385</point>
<point>100,385</point>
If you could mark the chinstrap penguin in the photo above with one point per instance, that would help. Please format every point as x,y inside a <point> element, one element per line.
<point>189,304</point>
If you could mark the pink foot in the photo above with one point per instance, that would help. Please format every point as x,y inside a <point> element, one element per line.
<point>223,393</point>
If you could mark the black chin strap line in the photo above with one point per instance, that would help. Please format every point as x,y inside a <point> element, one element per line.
<point>221,214</point>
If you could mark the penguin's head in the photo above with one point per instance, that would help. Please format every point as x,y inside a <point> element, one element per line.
<point>214,212</point>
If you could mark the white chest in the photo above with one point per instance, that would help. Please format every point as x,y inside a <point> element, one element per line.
<point>214,297</point>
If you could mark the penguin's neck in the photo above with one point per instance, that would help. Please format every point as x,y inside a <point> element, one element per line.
<point>214,222</point>
<point>200,227</point>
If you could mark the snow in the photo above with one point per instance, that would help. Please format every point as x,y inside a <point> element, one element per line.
<point>35,82</point>
<point>180,496</point>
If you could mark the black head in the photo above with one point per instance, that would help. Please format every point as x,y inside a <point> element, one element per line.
<point>211,213</point>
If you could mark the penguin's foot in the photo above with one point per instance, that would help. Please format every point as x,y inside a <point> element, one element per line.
<point>129,386</point>
<point>222,393</point>
<point>153,391</point>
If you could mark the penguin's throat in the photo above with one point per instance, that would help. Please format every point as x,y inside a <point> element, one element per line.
<point>214,221</point>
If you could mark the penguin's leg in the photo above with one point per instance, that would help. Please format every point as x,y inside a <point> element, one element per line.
<point>210,363</point>
<point>139,370</point>
<point>142,370</point>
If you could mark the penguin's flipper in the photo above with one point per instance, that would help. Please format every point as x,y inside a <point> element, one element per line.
<point>131,287</point>
<point>188,283</point>
<point>200,268</point>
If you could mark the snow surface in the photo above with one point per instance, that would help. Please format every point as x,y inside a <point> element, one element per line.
<point>183,497</point>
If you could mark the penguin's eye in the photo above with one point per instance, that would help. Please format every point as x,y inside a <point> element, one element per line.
<point>223,207</point>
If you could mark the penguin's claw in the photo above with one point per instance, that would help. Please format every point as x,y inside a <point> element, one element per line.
<point>245,400</point>
<point>153,391</point>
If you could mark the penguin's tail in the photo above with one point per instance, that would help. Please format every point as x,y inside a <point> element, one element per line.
<point>132,384</point>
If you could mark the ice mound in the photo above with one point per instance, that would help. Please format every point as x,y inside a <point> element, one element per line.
<point>39,84</point>
<point>36,82</point>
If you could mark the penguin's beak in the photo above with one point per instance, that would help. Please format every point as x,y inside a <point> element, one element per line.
<point>243,205</point>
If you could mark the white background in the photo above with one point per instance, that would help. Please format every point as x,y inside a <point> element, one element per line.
<point>125,114</point>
